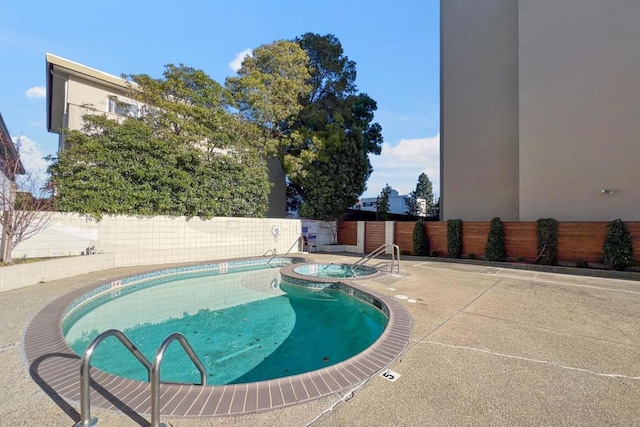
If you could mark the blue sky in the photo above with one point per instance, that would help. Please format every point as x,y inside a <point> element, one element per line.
<point>395,47</point>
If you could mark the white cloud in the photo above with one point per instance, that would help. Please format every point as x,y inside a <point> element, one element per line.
<point>401,164</point>
<point>237,61</point>
<point>36,92</point>
<point>32,159</point>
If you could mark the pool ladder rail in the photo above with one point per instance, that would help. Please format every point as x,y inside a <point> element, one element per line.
<point>299,242</point>
<point>395,258</point>
<point>153,373</point>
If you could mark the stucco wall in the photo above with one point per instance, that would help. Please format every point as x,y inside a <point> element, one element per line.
<point>82,91</point>
<point>579,109</point>
<point>540,109</point>
<point>479,108</point>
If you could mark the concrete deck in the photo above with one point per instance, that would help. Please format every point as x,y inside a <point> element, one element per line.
<point>489,346</point>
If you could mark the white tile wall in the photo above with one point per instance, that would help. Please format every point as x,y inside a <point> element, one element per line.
<point>130,241</point>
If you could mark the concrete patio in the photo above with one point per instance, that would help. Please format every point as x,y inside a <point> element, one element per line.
<point>489,346</point>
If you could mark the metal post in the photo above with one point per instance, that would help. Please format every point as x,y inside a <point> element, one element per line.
<point>155,373</point>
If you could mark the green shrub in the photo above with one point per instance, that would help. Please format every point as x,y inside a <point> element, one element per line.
<point>454,238</point>
<point>420,239</point>
<point>472,256</point>
<point>582,263</point>
<point>434,254</point>
<point>618,246</point>
<point>547,231</point>
<point>520,258</point>
<point>495,249</point>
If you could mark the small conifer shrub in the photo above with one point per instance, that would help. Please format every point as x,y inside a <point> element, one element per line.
<point>618,246</point>
<point>454,238</point>
<point>420,239</point>
<point>495,249</point>
<point>547,231</point>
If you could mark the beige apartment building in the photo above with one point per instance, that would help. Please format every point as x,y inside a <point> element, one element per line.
<point>71,87</point>
<point>540,109</point>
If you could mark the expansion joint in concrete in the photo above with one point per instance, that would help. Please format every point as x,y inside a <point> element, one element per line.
<point>538,361</point>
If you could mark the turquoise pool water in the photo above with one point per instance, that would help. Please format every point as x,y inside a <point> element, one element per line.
<point>334,270</point>
<point>245,326</point>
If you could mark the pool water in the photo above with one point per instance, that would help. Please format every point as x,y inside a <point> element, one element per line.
<point>333,270</point>
<point>244,326</point>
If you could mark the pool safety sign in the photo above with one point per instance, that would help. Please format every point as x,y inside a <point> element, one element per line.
<point>390,375</point>
<point>309,232</point>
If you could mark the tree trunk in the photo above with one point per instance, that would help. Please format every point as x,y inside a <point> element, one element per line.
<point>7,237</point>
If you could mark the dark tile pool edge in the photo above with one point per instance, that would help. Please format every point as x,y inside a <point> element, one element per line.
<point>56,368</point>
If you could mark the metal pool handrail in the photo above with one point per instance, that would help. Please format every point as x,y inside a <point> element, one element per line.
<point>297,242</point>
<point>155,373</point>
<point>395,257</point>
<point>85,375</point>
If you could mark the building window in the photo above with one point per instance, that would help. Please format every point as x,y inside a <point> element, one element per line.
<point>122,108</point>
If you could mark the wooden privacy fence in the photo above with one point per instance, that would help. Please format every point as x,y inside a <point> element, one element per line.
<point>374,235</point>
<point>348,233</point>
<point>576,240</point>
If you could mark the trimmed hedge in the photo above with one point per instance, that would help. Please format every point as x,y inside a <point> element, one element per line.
<point>547,232</point>
<point>420,239</point>
<point>495,249</point>
<point>454,238</point>
<point>618,246</point>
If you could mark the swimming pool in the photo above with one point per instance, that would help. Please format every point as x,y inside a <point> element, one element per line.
<point>55,367</point>
<point>243,322</point>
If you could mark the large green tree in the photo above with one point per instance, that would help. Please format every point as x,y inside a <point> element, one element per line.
<point>335,129</point>
<point>302,93</point>
<point>186,154</point>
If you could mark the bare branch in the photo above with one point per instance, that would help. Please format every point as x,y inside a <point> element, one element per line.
<point>27,204</point>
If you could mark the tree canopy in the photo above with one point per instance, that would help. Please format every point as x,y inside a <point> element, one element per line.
<point>198,148</point>
<point>382,203</point>
<point>423,191</point>
<point>268,89</point>
<point>337,133</point>
<point>321,127</point>
<point>185,155</point>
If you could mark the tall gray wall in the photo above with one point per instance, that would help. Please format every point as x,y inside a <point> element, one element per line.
<point>479,109</point>
<point>579,109</point>
<point>540,109</point>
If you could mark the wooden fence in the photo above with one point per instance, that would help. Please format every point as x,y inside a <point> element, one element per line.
<point>348,233</point>
<point>576,240</point>
<point>374,235</point>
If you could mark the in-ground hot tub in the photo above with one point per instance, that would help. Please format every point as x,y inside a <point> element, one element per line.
<point>340,271</point>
